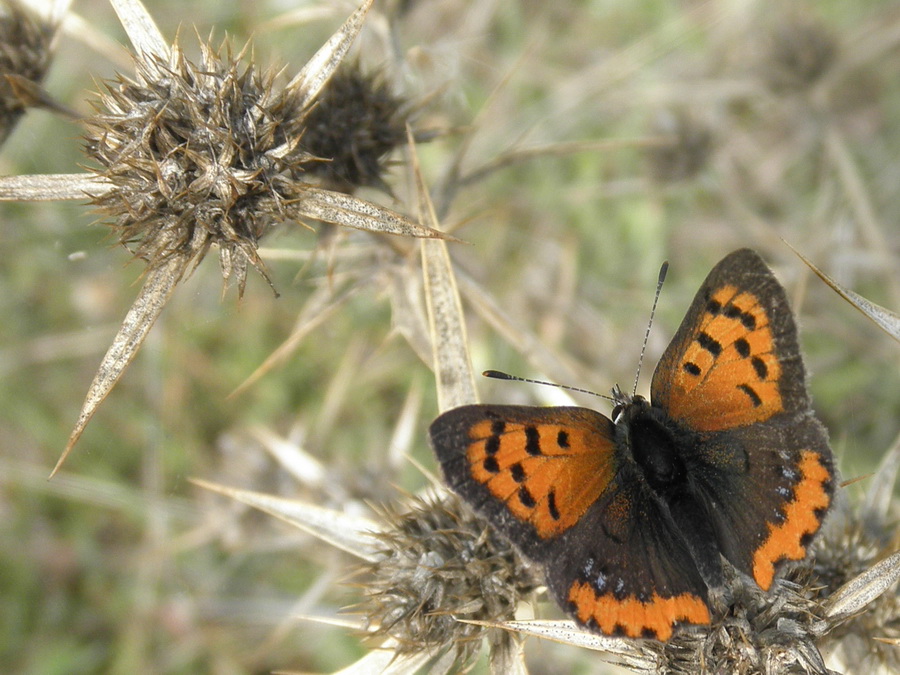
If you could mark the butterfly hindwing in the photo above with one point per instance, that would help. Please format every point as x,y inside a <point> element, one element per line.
<point>767,488</point>
<point>533,471</point>
<point>735,360</point>
<point>626,570</point>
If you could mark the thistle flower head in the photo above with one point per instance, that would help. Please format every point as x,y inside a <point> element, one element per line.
<point>356,122</point>
<point>24,59</point>
<point>800,50</point>
<point>199,155</point>
<point>686,151</point>
<point>439,564</point>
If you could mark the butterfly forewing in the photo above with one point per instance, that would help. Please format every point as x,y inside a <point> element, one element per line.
<point>735,359</point>
<point>535,470</point>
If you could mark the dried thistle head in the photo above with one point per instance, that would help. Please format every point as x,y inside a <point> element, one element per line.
<point>439,563</point>
<point>856,549</point>
<point>199,155</point>
<point>356,122</point>
<point>758,633</point>
<point>799,50</point>
<point>685,151</point>
<point>25,55</point>
<point>195,156</point>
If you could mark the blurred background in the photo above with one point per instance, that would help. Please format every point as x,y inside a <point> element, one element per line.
<point>574,146</point>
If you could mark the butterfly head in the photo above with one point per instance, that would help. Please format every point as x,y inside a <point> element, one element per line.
<point>623,402</point>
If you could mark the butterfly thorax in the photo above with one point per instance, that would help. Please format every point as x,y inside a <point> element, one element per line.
<point>652,440</point>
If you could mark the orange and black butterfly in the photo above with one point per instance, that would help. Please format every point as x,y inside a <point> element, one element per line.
<point>631,517</point>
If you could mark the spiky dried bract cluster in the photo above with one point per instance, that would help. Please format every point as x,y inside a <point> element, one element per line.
<point>850,548</point>
<point>760,633</point>
<point>799,51</point>
<point>789,629</point>
<point>198,155</point>
<point>440,563</point>
<point>355,123</point>
<point>24,53</point>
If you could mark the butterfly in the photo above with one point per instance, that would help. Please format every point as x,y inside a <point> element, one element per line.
<point>631,517</point>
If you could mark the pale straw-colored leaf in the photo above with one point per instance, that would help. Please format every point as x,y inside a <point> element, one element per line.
<point>291,456</point>
<point>566,632</point>
<point>452,364</point>
<point>860,591</point>
<point>341,209</point>
<point>886,319</point>
<point>141,29</point>
<point>355,625</point>
<point>154,294</point>
<point>387,661</point>
<point>319,69</point>
<point>449,344</point>
<point>52,187</point>
<point>350,533</point>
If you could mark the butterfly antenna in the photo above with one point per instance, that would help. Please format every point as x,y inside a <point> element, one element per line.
<point>500,375</point>
<point>659,285</point>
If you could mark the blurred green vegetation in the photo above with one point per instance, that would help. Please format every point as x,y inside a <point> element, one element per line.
<point>120,565</point>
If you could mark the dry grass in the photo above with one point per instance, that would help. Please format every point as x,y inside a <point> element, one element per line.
<point>668,131</point>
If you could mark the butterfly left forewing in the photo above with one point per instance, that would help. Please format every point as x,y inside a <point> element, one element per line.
<point>532,471</point>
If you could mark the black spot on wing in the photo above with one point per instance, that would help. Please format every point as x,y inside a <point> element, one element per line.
<point>709,343</point>
<point>551,505</point>
<point>532,441</point>
<point>691,368</point>
<point>518,473</point>
<point>526,498</point>
<point>751,393</point>
<point>762,370</point>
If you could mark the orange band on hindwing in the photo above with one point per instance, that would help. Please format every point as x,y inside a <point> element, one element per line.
<point>632,617</point>
<point>802,519</point>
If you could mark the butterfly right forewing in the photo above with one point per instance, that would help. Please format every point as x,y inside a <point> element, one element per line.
<point>735,359</point>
